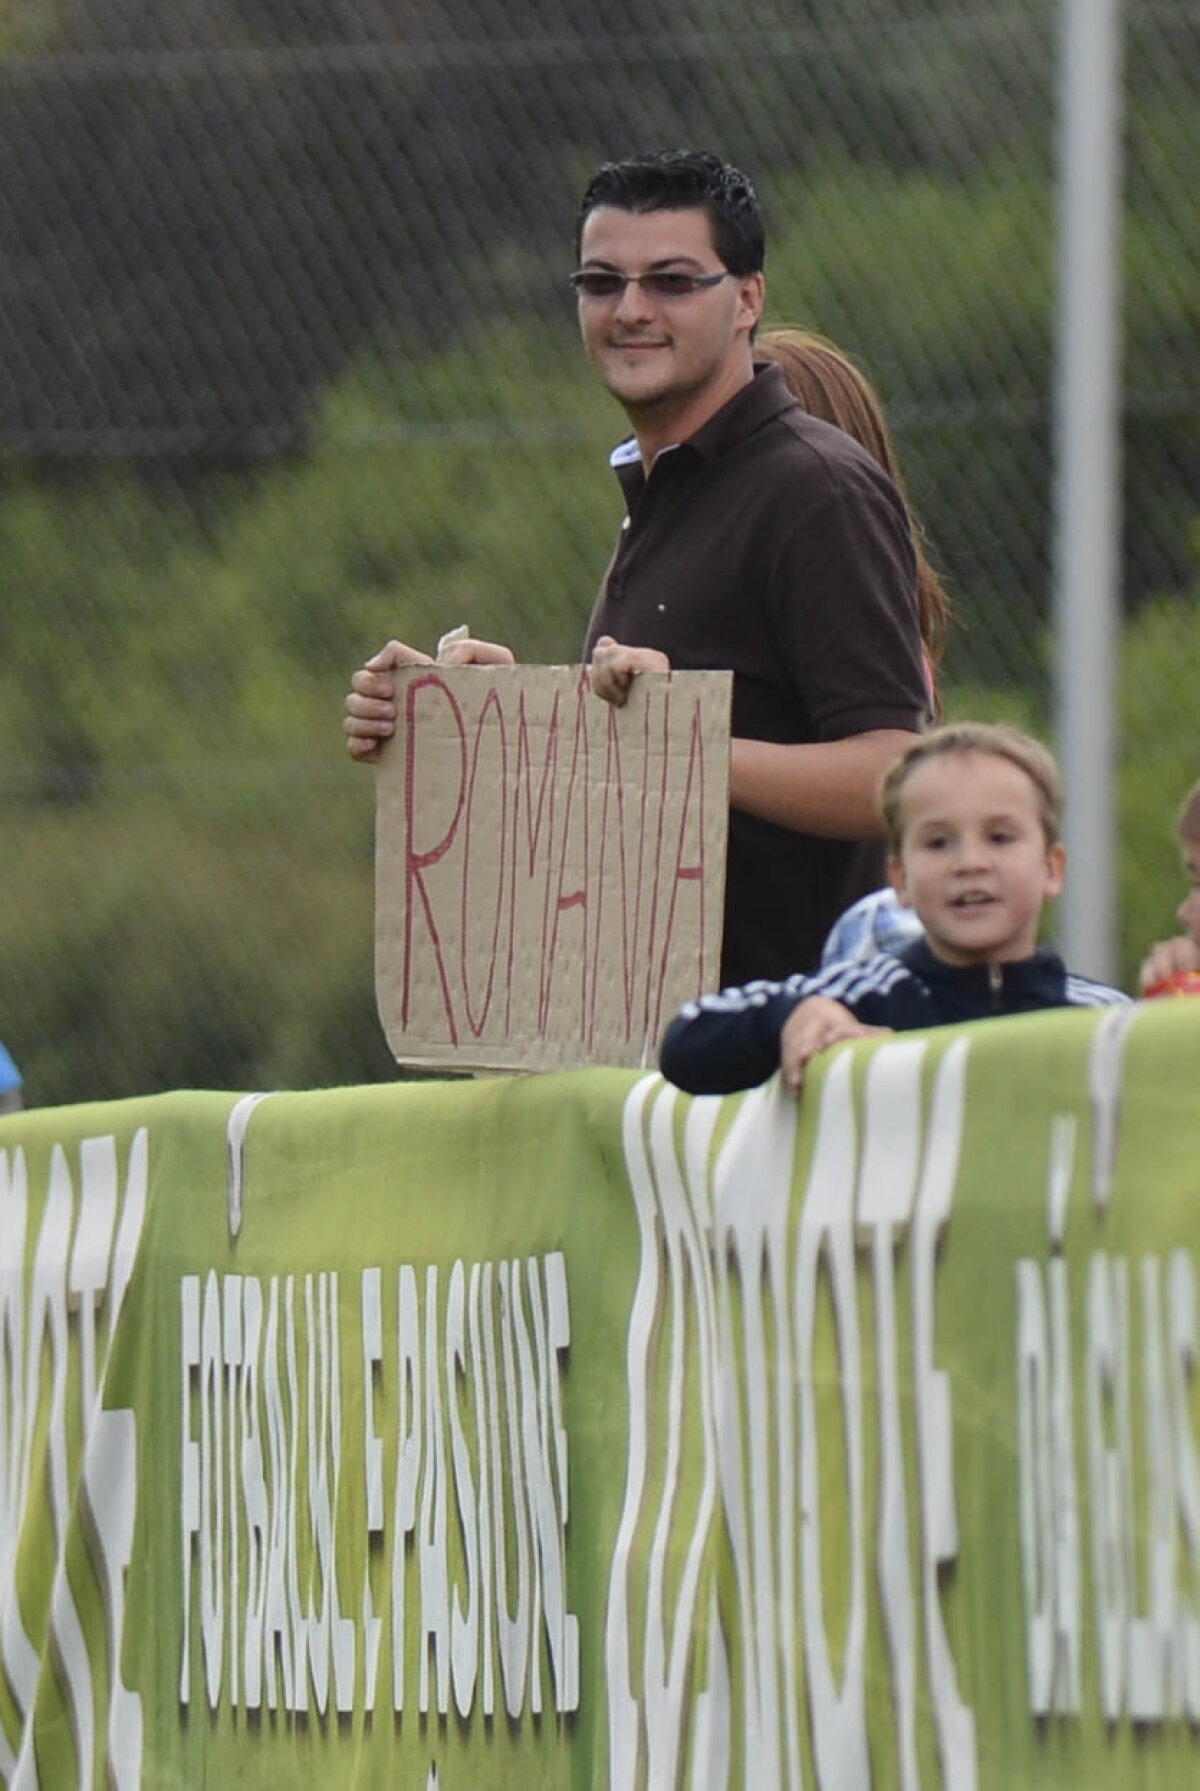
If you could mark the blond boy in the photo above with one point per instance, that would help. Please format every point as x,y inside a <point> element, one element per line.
<point>973,816</point>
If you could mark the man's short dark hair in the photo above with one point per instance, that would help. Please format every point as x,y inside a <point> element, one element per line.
<point>685,180</point>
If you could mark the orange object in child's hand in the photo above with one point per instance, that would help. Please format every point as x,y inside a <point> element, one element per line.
<point>1180,982</point>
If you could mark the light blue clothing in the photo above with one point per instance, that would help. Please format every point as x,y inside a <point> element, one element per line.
<point>875,923</point>
<point>10,1075</point>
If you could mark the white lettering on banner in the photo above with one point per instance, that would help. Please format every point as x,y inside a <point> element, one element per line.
<point>839,1717</point>
<point>725,1310</point>
<point>231,1355</point>
<point>82,1262</point>
<point>544,1442</point>
<point>1035,1486</point>
<point>1146,1622</point>
<point>665,1209</point>
<point>477,1358</point>
<point>286,1635</point>
<point>886,1195</point>
<point>329,1633</point>
<point>408,1462</point>
<point>254,1497</point>
<point>688,1252</point>
<point>1068,1593</point>
<point>48,1324</point>
<point>464,1643</point>
<point>1110,1495</point>
<point>953,1721</point>
<point>1105,1064</point>
<point>435,1574</point>
<point>1182,1357</point>
<point>212,1459</point>
<point>1144,1512</point>
<point>1152,1635</point>
<point>20,1656</point>
<point>1048,1498</point>
<point>372,1350</point>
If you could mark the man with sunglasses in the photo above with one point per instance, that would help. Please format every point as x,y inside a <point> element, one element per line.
<point>756,539</point>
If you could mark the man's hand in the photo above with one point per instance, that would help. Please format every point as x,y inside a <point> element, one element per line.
<point>465,650</point>
<point>812,1026</point>
<point>613,667</point>
<point>1171,957</point>
<point>371,704</point>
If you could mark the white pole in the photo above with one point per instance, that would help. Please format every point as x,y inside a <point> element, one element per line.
<point>1087,483</point>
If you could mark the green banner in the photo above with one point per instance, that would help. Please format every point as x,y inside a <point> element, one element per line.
<point>563,1431</point>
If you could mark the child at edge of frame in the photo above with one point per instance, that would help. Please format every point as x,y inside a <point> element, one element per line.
<point>973,813</point>
<point>1172,967</point>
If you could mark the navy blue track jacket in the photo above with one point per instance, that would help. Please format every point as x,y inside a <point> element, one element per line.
<point>724,1042</point>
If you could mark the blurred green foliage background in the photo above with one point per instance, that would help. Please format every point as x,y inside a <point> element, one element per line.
<point>185,589</point>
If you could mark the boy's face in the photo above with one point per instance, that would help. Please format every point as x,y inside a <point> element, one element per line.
<point>973,858</point>
<point>1188,911</point>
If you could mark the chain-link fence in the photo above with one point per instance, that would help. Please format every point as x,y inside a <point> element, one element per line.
<point>290,367</point>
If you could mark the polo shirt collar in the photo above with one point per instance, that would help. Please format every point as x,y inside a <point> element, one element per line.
<point>761,399</point>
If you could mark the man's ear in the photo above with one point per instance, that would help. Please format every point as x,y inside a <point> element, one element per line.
<point>752,292</point>
<point>1056,869</point>
<point>898,881</point>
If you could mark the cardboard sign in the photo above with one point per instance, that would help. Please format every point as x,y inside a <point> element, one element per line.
<point>549,870</point>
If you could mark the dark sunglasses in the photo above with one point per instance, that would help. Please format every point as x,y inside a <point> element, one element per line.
<point>668,283</point>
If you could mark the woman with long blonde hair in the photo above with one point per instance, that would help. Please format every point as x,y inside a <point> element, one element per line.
<point>829,384</point>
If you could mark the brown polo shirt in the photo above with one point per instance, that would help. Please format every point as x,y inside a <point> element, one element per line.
<point>771,544</point>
